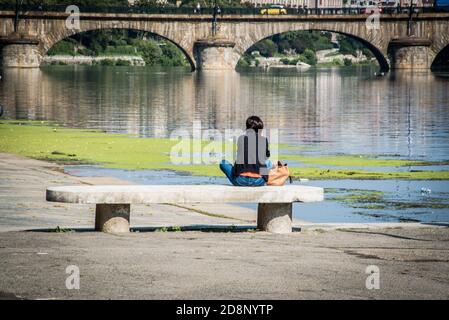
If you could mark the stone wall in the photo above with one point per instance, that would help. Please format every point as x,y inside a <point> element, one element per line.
<point>88,60</point>
<point>416,57</point>
<point>21,56</point>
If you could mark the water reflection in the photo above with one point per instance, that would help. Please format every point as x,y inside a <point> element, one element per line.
<point>332,111</point>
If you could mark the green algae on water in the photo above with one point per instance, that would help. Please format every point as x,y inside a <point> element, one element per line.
<point>356,161</point>
<point>378,200</point>
<point>48,141</point>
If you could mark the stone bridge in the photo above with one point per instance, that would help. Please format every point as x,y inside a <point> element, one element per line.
<point>391,44</point>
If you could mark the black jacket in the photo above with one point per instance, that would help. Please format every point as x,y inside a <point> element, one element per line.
<point>252,153</point>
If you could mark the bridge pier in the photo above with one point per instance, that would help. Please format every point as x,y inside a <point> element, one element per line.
<point>20,52</point>
<point>215,54</point>
<point>410,53</point>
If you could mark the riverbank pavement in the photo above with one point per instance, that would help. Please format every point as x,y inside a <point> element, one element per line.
<point>323,261</point>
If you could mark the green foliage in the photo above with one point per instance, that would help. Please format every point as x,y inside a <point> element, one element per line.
<point>302,40</point>
<point>334,63</point>
<point>152,3</point>
<point>306,43</point>
<point>323,41</point>
<point>154,50</point>
<point>266,48</point>
<point>291,62</point>
<point>107,62</point>
<point>121,62</point>
<point>298,41</point>
<point>102,41</point>
<point>172,55</point>
<point>112,62</point>
<point>150,51</point>
<point>246,60</point>
<point>350,46</point>
<point>62,48</point>
<point>243,62</point>
<point>309,57</point>
<point>86,52</point>
<point>285,60</point>
<point>120,50</point>
<point>347,62</point>
<point>367,53</point>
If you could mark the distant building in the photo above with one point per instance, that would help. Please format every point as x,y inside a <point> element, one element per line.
<point>132,2</point>
<point>326,4</point>
<point>340,3</point>
<point>287,3</point>
<point>387,3</point>
<point>298,3</point>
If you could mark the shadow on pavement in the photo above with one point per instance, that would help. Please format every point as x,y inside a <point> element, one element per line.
<point>202,228</point>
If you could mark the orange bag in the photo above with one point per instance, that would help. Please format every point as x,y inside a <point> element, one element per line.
<point>278,175</point>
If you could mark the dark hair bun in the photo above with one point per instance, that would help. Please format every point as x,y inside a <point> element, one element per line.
<point>255,123</point>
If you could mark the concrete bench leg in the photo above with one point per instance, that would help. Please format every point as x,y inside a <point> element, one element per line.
<point>112,218</point>
<point>275,217</point>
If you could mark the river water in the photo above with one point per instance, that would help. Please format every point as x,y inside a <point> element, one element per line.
<point>324,112</point>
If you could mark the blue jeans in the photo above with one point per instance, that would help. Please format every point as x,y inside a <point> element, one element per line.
<point>241,181</point>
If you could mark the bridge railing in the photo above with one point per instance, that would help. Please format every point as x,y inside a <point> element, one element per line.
<point>210,11</point>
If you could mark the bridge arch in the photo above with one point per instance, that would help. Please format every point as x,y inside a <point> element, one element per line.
<point>52,38</point>
<point>441,59</point>
<point>378,54</point>
<point>371,39</point>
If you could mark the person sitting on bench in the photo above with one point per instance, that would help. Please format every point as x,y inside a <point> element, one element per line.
<point>252,164</point>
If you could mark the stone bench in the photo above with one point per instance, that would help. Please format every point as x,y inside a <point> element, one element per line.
<point>113,202</point>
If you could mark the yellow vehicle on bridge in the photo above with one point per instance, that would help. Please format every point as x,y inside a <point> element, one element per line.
<point>274,9</point>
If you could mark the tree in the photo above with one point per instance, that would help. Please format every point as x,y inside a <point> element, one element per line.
<point>266,48</point>
<point>350,46</point>
<point>150,51</point>
<point>310,57</point>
